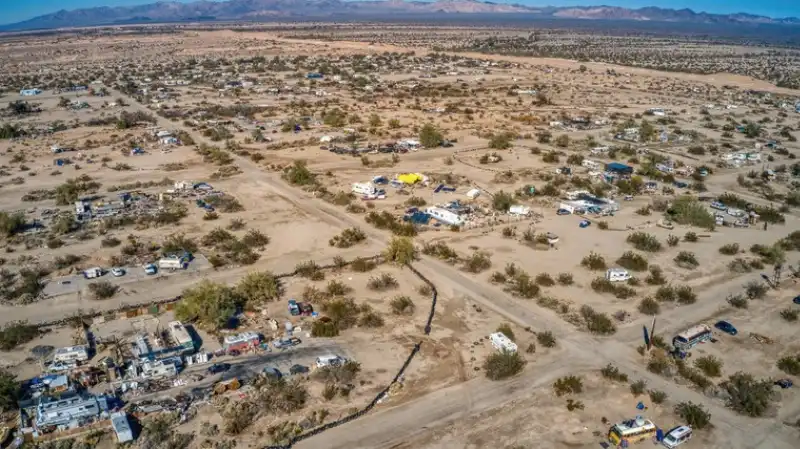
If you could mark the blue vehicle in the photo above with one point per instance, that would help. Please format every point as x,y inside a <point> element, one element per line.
<point>219,368</point>
<point>563,212</point>
<point>726,327</point>
<point>796,300</point>
<point>784,383</point>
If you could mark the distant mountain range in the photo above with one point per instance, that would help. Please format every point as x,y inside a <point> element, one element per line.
<point>263,10</point>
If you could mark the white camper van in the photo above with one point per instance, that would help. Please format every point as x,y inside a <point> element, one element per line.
<point>364,188</point>
<point>617,275</point>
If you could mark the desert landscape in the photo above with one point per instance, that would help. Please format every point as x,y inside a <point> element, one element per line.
<point>318,235</point>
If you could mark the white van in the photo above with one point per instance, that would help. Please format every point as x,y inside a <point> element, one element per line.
<point>677,436</point>
<point>364,188</point>
<point>617,275</point>
<point>330,360</point>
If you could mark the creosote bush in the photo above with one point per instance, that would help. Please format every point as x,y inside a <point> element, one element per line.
<point>504,364</point>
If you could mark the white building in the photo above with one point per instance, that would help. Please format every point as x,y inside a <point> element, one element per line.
<point>590,164</point>
<point>502,343</point>
<point>180,335</point>
<point>617,275</point>
<point>71,354</point>
<point>445,216</point>
<point>519,210</point>
<point>160,368</point>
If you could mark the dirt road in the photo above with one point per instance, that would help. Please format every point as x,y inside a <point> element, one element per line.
<point>583,350</point>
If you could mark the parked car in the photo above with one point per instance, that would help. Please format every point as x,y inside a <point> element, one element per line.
<point>784,383</point>
<point>298,369</point>
<point>563,212</point>
<point>219,368</point>
<point>726,327</point>
<point>796,299</point>
<point>116,271</point>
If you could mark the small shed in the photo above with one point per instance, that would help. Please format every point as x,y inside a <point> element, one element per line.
<point>122,427</point>
<point>474,193</point>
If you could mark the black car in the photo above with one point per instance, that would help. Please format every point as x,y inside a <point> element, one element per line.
<point>298,369</point>
<point>219,368</point>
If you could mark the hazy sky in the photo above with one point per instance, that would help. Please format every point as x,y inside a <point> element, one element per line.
<point>17,10</point>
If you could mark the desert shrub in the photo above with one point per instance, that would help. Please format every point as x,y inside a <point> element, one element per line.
<point>402,305</point>
<point>565,278</point>
<point>739,265</point>
<point>613,373</point>
<point>685,295</point>
<point>649,306</point>
<point>657,397</point>
<point>632,261</point>
<point>656,276</point>
<point>362,265</point>
<point>602,225</point>
<point>440,250</point>
<point>383,282</point>
<point>790,315</point>
<point>638,387</point>
<point>479,261</point>
<point>324,329</point>
<point>658,365</point>
<point>709,365</point>
<point>755,290</point>
<point>730,249</point>
<point>621,291</point>
<point>506,330</point>
<point>110,242</point>
<point>370,318</point>
<point>544,280</point>
<point>546,339</point>
<point>568,385</point>
<point>573,404</point>
<point>337,288</point>
<point>347,238</point>
<point>17,333</point>
<point>690,237</point>
<point>597,323</point>
<point>102,290</point>
<point>688,211</point>
<point>693,415</point>
<point>673,240</point>
<point>747,395</point>
<point>789,365</point>
<point>738,301</point>
<point>509,232</point>
<point>666,293</point>
<point>644,242</point>
<point>594,262</point>
<point>307,269</point>
<point>770,255</point>
<point>686,260</point>
<point>502,365</point>
<point>521,285</point>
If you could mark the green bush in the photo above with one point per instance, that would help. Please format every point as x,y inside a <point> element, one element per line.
<point>657,397</point>
<point>17,333</point>
<point>613,373</point>
<point>568,385</point>
<point>546,339</point>
<point>790,315</point>
<point>656,276</point>
<point>748,396</point>
<point>709,365</point>
<point>730,249</point>
<point>594,262</point>
<point>544,280</point>
<point>693,415</point>
<point>644,242</point>
<point>632,261</point>
<point>687,210</point>
<point>597,323</point>
<point>738,301</point>
<point>102,290</point>
<point>402,305</point>
<point>649,306</point>
<point>638,387</point>
<point>479,261</point>
<point>789,365</point>
<point>384,281</point>
<point>690,237</point>
<point>565,279</point>
<point>686,260</point>
<point>504,364</point>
